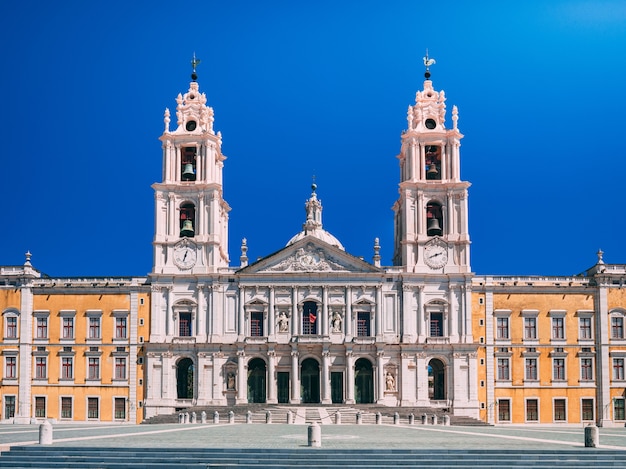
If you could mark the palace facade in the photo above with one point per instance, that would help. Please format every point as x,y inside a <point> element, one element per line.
<point>312,323</point>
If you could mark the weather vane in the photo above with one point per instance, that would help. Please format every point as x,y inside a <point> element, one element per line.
<point>427,63</point>
<point>194,64</point>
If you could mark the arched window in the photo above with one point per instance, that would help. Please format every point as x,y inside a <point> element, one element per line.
<point>257,381</point>
<point>433,162</point>
<point>434,219</point>
<point>436,380</point>
<point>187,220</point>
<point>363,381</point>
<point>188,163</point>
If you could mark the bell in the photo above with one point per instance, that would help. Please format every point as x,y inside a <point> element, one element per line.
<point>188,172</point>
<point>187,230</point>
<point>432,172</point>
<point>433,227</point>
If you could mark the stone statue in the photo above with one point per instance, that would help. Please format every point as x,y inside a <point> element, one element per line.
<point>390,382</point>
<point>336,322</point>
<point>283,322</point>
<point>230,381</point>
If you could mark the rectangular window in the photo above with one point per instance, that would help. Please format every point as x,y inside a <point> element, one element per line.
<point>94,328</point>
<point>619,412</point>
<point>67,368</point>
<point>560,408</point>
<point>558,328</point>
<point>503,368</point>
<point>558,366</point>
<point>40,368</point>
<point>530,328</point>
<point>504,410</point>
<point>436,324</point>
<point>184,324</point>
<point>617,327</point>
<point>256,324</point>
<point>586,369</point>
<point>40,407</point>
<point>10,371</point>
<point>532,410</point>
<point>309,318</point>
<point>120,368</point>
<point>587,409</point>
<point>363,324</point>
<point>120,408</point>
<point>11,332</point>
<point>94,368</point>
<point>531,369</point>
<point>585,328</point>
<point>92,408</point>
<point>42,328</point>
<point>68,328</point>
<point>66,407</point>
<point>9,407</point>
<point>618,369</point>
<point>120,327</point>
<point>502,331</point>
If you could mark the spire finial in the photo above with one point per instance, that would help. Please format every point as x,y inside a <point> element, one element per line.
<point>427,63</point>
<point>194,64</point>
<point>313,185</point>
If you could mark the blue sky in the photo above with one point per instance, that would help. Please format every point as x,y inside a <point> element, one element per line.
<point>312,88</point>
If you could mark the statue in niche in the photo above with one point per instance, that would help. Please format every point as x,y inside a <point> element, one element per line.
<point>230,382</point>
<point>283,322</point>
<point>390,382</point>
<point>336,322</point>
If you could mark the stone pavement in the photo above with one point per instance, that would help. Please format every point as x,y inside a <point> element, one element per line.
<point>282,436</point>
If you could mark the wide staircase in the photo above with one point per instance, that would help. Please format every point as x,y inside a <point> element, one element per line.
<point>41,457</point>
<point>316,413</point>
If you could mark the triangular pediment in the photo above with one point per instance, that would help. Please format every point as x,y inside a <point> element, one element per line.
<point>309,254</point>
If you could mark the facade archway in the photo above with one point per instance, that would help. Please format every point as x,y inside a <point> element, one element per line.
<point>436,380</point>
<point>363,381</point>
<point>184,378</point>
<point>257,381</point>
<point>310,381</point>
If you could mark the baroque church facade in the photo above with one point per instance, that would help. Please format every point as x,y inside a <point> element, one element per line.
<point>311,323</point>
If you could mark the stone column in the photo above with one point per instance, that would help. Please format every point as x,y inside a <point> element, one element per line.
<point>324,324</point>
<point>201,315</point>
<point>378,313</point>
<point>348,313</point>
<point>242,384</point>
<point>405,383</point>
<point>453,331</point>
<point>450,221</point>
<point>173,211</point>
<point>271,315</point>
<point>408,318</point>
<point>326,398</point>
<point>241,322</point>
<point>422,381</point>
<point>169,313</point>
<point>422,331</point>
<point>295,381</point>
<point>295,317</point>
<point>271,377</point>
<point>380,375</point>
<point>349,377</point>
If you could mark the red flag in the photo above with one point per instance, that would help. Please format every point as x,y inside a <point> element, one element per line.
<point>312,318</point>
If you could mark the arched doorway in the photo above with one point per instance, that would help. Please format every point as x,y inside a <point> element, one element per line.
<point>310,381</point>
<point>257,381</point>
<point>184,379</point>
<point>363,381</point>
<point>436,380</point>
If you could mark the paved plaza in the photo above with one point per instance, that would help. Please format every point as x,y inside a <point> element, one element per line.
<point>294,436</point>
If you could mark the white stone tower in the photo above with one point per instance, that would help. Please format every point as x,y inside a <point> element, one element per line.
<point>191,231</point>
<point>431,224</point>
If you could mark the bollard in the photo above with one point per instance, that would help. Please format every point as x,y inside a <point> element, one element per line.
<point>203,417</point>
<point>396,418</point>
<point>248,417</point>
<point>231,417</point>
<point>424,419</point>
<point>193,418</point>
<point>337,418</point>
<point>181,418</point>
<point>411,419</point>
<point>216,417</point>
<point>186,417</point>
<point>45,433</point>
<point>445,420</point>
<point>379,418</point>
<point>592,436</point>
<point>289,417</point>
<point>433,419</point>
<point>268,417</point>
<point>359,417</point>
<point>315,435</point>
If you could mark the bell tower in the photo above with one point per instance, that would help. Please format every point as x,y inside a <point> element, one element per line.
<point>431,224</point>
<point>191,219</point>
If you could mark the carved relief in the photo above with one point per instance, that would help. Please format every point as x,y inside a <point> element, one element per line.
<point>308,259</point>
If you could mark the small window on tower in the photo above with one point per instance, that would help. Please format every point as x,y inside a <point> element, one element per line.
<point>434,219</point>
<point>188,164</point>
<point>187,220</point>
<point>433,162</point>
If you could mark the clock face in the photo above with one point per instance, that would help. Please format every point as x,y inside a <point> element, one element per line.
<point>436,256</point>
<point>185,255</point>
